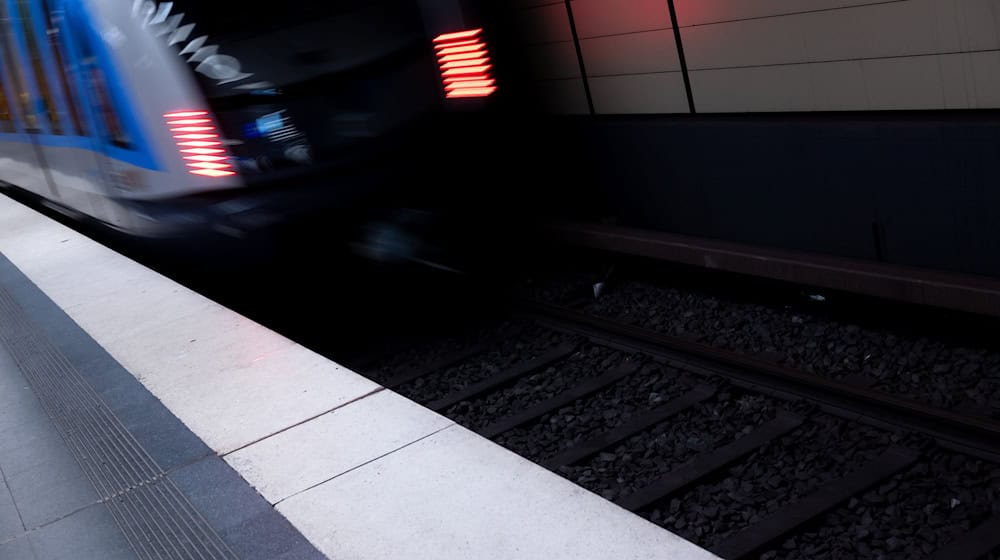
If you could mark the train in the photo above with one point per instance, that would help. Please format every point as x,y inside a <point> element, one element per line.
<point>769,124</point>
<point>184,118</point>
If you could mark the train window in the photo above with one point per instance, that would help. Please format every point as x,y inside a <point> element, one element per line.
<point>6,120</point>
<point>16,72</point>
<point>35,55</point>
<point>106,109</point>
<point>96,82</point>
<point>65,78</point>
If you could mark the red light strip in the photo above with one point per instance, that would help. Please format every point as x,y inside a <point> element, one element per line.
<point>465,64</point>
<point>199,142</point>
<point>474,70</point>
<point>466,84</point>
<point>460,80</point>
<point>184,114</point>
<point>463,56</point>
<point>472,92</point>
<point>206,158</point>
<point>209,165</point>
<point>193,129</point>
<point>212,172</point>
<point>447,37</point>
<point>458,50</point>
<point>190,121</point>
<point>457,43</point>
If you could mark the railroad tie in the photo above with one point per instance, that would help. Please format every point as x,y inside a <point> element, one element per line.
<point>793,515</point>
<point>443,362</point>
<point>541,409</point>
<point>639,423</point>
<point>504,377</point>
<point>710,462</point>
<point>973,545</point>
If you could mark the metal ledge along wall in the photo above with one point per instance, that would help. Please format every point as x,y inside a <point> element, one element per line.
<point>914,188</point>
<point>765,55</point>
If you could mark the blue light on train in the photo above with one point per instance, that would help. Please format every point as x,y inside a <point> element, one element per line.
<point>270,123</point>
<point>250,131</point>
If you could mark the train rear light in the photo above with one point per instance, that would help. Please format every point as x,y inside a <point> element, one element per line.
<point>474,72</point>
<point>461,63</point>
<point>465,64</point>
<point>185,114</point>
<point>472,92</point>
<point>192,121</point>
<point>477,49</point>
<point>461,56</point>
<point>213,173</point>
<point>469,84</point>
<point>459,35</point>
<point>200,143</point>
<point>206,158</point>
<point>207,165</point>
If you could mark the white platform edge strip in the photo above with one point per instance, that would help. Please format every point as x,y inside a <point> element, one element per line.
<point>360,471</point>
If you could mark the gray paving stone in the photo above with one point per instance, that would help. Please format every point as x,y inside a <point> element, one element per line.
<point>89,533</point>
<point>17,549</point>
<point>167,440</point>
<point>268,536</point>
<point>11,381</point>
<point>18,405</point>
<point>304,552</point>
<point>43,500</point>
<point>10,521</point>
<point>23,412</point>
<point>42,449</point>
<point>12,439</point>
<point>47,490</point>
<point>244,519</point>
<point>222,496</point>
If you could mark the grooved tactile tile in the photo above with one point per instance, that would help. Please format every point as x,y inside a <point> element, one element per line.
<point>153,514</point>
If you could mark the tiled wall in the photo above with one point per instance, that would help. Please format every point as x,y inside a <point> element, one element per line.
<point>628,49</point>
<point>768,55</point>
<point>630,55</point>
<point>545,28</point>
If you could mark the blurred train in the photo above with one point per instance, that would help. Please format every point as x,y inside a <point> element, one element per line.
<point>173,118</point>
<point>858,128</point>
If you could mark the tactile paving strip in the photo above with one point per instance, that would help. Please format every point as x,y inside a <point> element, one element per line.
<point>151,511</point>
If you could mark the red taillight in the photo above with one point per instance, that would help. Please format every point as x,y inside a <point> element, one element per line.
<point>200,143</point>
<point>465,64</point>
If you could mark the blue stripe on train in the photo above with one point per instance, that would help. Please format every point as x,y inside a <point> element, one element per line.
<point>78,142</point>
<point>77,26</point>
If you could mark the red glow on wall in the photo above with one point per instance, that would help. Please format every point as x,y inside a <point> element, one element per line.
<point>200,143</point>
<point>465,64</point>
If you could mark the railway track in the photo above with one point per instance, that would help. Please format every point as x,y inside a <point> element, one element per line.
<point>744,457</point>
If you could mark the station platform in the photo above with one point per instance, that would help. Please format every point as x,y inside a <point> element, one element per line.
<point>139,419</point>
